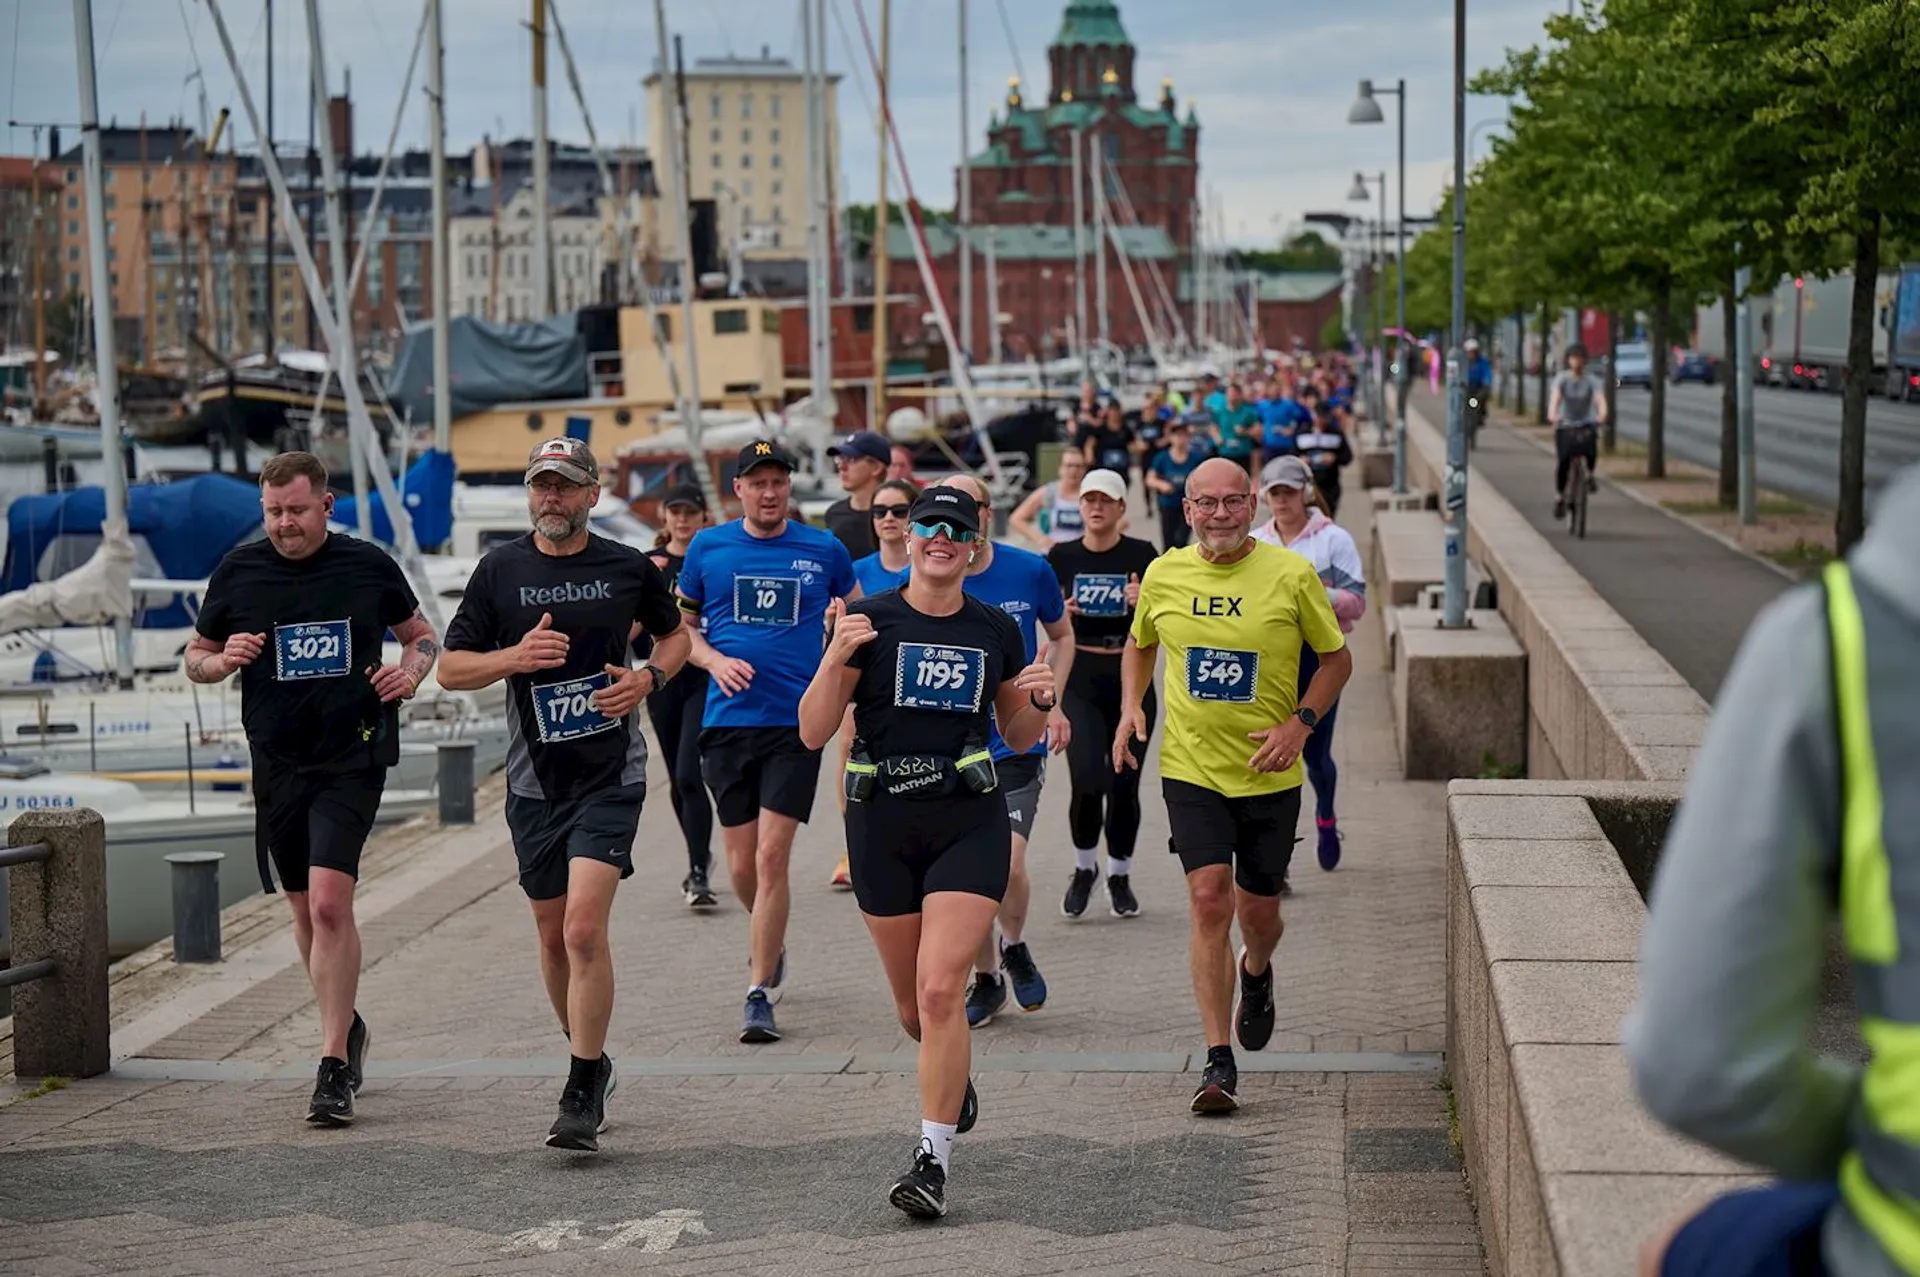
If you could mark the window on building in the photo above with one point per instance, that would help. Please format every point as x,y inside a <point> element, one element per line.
<point>728,321</point>
<point>73,277</point>
<point>73,226</point>
<point>773,109</point>
<point>775,188</point>
<point>774,159</point>
<point>746,161</point>
<point>113,254</point>
<point>716,159</point>
<point>713,135</point>
<point>774,133</point>
<point>746,186</point>
<point>746,106</point>
<point>73,175</point>
<point>73,201</point>
<point>714,105</point>
<point>746,215</point>
<point>776,237</point>
<point>863,318</point>
<point>113,228</point>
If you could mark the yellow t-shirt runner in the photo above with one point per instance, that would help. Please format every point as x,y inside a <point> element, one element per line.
<point>1233,634</point>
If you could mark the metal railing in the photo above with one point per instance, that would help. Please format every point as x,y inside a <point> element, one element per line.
<point>33,853</point>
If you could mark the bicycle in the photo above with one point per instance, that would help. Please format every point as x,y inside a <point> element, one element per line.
<point>1578,480</point>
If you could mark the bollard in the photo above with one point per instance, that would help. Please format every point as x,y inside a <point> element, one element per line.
<point>456,782</point>
<point>196,905</point>
<point>58,909</point>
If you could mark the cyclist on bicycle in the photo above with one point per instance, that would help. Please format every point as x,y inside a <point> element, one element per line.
<point>1576,408</point>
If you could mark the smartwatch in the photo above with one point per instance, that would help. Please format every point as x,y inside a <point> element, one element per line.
<point>659,677</point>
<point>1307,716</point>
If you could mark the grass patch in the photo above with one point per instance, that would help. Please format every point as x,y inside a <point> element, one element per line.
<point>1768,508</point>
<point>1453,1117</point>
<point>47,1086</point>
<point>1803,556</point>
<point>1492,768</point>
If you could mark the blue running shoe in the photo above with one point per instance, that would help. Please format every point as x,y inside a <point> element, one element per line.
<point>1329,846</point>
<point>1029,986</point>
<point>984,999</point>
<point>757,1024</point>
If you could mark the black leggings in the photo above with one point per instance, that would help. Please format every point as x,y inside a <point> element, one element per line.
<point>676,710</point>
<point>1173,526</point>
<point>1101,796</point>
<point>1570,442</point>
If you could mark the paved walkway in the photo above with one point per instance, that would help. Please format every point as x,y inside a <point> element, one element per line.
<point>192,1158</point>
<point>1688,595</point>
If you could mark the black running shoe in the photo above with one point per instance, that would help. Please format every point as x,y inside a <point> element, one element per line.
<point>969,1111</point>
<point>1079,892</point>
<point>359,1038</point>
<point>332,1094</point>
<point>1121,898</point>
<point>1254,1024</point>
<point>1029,986</point>
<point>698,891</point>
<point>985,998</point>
<point>1218,1083</point>
<point>578,1126</point>
<point>922,1191</point>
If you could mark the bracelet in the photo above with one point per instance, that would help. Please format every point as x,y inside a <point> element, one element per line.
<point>1044,709</point>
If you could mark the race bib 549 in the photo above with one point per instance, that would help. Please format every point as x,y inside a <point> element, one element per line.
<point>1222,674</point>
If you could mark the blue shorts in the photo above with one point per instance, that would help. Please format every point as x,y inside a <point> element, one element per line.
<point>1757,1232</point>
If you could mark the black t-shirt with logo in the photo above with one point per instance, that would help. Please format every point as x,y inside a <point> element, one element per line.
<point>559,746</point>
<point>1110,447</point>
<point>927,683</point>
<point>1096,583</point>
<point>853,527</point>
<point>307,701</point>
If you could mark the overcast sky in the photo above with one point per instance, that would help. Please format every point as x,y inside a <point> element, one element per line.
<point>1271,79</point>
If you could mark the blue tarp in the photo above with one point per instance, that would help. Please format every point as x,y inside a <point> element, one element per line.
<point>427,491</point>
<point>491,364</point>
<point>181,531</point>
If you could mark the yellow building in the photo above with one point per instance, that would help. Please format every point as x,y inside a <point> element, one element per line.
<point>737,344</point>
<point>747,139</point>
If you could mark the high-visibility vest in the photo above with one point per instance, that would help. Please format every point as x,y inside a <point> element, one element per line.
<point>1880,1175</point>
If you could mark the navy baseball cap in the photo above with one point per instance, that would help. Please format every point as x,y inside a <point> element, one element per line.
<point>867,444</point>
<point>687,494</point>
<point>763,452</point>
<point>947,505</point>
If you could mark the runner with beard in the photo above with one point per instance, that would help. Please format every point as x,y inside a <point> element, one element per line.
<point>554,613</point>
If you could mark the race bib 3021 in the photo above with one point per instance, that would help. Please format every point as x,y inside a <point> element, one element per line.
<point>312,649</point>
<point>932,676</point>
<point>1222,674</point>
<point>564,711</point>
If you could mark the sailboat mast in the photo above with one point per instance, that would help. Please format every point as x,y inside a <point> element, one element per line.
<point>876,402</point>
<point>966,202</point>
<point>819,355</point>
<point>272,205</point>
<point>1080,262</point>
<point>1096,171</point>
<point>442,303</point>
<point>542,224</point>
<point>105,357</point>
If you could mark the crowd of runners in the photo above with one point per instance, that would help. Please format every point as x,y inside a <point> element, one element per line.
<point>948,668</point>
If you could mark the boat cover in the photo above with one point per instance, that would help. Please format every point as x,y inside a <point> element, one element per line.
<point>491,364</point>
<point>427,491</point>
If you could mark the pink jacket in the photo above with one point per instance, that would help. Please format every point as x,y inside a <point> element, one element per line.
<point>1330,548</point>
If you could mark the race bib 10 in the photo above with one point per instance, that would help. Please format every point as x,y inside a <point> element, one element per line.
<point>312,649</point>
<point>930,676</point>
<point>1222,674</point>
<point>1100,593</point>
<point>766,600</point>
<point>564,711</point>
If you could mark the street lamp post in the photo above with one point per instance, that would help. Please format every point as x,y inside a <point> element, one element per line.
<point>1366,110</point>
<point>1454,500</point>
<point>1359,194</point>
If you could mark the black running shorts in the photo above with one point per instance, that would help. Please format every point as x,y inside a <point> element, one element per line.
<point>304,820</point>
<point>901,850</point>
<point>1255,835</point>
<point>1021,779</point>
<point>548,834</point>
<point>754,768</point>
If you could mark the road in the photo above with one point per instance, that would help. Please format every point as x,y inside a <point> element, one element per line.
<point>1797,433</point>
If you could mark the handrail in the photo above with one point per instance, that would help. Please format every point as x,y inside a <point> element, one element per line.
<point>26,854</point>
<point>26,971</point>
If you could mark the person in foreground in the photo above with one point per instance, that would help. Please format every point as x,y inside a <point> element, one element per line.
<point>1803,810</point>
<point>1232,613</point>
<point>925,668</point>
<point>322,722</point>
<point>554,614</point>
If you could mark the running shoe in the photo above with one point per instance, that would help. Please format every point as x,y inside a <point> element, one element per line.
<point>969,1111</point>
<point>359,1038</point>
<point>1329,847</point>
<point>842,879</point>
<point>1029,986</point>
<point>1121,898</point>
<point>698,890</point>
<point>1559,508</point>
<point>1079,892</point>
<point>1218,1083</point>
<point>1254,1023</point>
<point>757,1024</point>
<point>985,998</point>
<point>332,1094</point>
<point>922,1191</point>
<point>583,1111</point>
<point>774,991</point>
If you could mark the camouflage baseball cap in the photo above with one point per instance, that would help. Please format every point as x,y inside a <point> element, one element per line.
<point>569,458</point>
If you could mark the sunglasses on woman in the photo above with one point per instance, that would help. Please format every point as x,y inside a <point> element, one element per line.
<point>892,511</point>
<point>959,536</point>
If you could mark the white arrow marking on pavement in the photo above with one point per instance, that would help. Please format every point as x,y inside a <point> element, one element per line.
<point>548,1236</point>
<point>658,1233</point>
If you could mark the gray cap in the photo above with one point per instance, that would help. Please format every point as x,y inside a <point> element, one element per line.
<point>1286,472</point>
<point>569,458</point>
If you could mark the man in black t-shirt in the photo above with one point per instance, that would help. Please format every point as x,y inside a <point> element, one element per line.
<point>862,460</point>
<point>302,615</point>
<point>554,614</point>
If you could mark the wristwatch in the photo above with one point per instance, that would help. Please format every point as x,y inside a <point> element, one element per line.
<point>1307,716</point>
<point>659,677</point>
<point>1044,709</point>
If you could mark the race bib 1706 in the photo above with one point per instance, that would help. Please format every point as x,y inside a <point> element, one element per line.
<point>564,711</point>
<point>312,649</point>
<point>766,600</point>
<point>1222,674</point>
<point>1100,593</point>
<point>931,676</point>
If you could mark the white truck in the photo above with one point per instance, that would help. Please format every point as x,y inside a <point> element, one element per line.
<point>1801,330</point>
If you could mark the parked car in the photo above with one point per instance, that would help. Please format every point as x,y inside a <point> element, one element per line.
<point>1636,365</point>
<point>1691,365</point>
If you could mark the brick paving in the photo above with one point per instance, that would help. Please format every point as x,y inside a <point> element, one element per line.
<point>726,1158</point>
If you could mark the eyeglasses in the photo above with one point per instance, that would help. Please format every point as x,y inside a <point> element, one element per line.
<point>1232,505</point>
<point>892,511</point>
<point>959,536</point>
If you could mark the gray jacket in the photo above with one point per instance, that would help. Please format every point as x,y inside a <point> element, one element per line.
<point>1736,936</point>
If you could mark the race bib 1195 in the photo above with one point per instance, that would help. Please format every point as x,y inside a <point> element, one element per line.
<point>766,600</point>
<point>1100,593</point>
<point>312,649</point>
<point>1222,674</point>
<point>564,711</point>
<point>931,676</point>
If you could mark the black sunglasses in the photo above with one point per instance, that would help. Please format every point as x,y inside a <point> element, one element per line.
<point>892,511</point>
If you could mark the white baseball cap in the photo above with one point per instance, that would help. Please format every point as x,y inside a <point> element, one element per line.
<point>1108,483</point>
